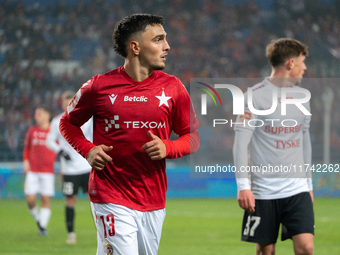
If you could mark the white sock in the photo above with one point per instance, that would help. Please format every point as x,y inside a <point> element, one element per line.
<point>44,217</point>
<point>35,213</point>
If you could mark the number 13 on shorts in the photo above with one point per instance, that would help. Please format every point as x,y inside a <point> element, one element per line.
<point>252,223</point>
<point>108,221</point>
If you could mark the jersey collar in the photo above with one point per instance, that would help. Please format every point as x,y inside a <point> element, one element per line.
<point>132,81</point>
<point>267,82</point>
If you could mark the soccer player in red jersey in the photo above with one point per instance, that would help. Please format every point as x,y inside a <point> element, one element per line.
<point>135,108</point>
<point>38,163</point>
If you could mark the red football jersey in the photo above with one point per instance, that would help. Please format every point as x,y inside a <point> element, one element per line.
<point>123,111</point>
<point>35,151</point>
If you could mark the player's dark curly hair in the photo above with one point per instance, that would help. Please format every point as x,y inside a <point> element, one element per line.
<point>129,25</point>
<point>280,50</point>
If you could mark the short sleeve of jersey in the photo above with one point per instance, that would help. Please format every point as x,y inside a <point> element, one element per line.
<point>247,121</point>
<point>81,108</point>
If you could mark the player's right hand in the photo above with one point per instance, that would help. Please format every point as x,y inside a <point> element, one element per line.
<point>27,166</point>
<point>246,200</point>
<point>97,156</point>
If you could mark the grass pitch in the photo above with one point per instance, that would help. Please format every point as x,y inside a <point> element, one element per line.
<point>192,226</point>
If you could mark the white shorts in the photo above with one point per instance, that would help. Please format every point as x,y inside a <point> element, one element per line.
<point>42,183</point>
<point>123,231</point>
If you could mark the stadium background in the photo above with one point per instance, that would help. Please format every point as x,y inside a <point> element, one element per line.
<point>47,47</point>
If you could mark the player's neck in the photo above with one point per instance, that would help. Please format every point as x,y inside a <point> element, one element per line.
<point>44,125</point>
<point>280,78</point>
<point>136,71</point>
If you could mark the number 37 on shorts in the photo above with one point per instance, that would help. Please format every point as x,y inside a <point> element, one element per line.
<point>252,223</point>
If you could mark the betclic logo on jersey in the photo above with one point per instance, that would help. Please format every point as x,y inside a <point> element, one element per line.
<point>141,99</point>
<point>232,99</point>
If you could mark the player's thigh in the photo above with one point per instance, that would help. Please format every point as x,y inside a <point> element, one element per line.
<point>149,231</point>
<point>47,184</point>
<point>70,185</point>
<point>100,242</point>
<point>117,229</point>
<point>31,186</point>
<point>298,216</point>
<point>261,226</point>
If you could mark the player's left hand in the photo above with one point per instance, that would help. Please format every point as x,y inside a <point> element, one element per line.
<point>156,149</point>
<point>246,200</point>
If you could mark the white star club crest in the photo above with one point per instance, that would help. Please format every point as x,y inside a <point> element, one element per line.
<point>163,99</point>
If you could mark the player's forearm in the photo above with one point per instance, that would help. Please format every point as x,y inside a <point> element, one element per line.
<point>75,137</point>
<point>184,145</point>
<point>240,154</point>
<point>26,165</point>
<point>307,156</point>
<point>52,144</point>
<point>25,154</point>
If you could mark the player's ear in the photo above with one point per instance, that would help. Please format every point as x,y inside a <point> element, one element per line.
<point>290,63</point>
<point>134,47</point>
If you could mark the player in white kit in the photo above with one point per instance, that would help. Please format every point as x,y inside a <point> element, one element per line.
<point>279,189</point>
<point>73,167</point>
